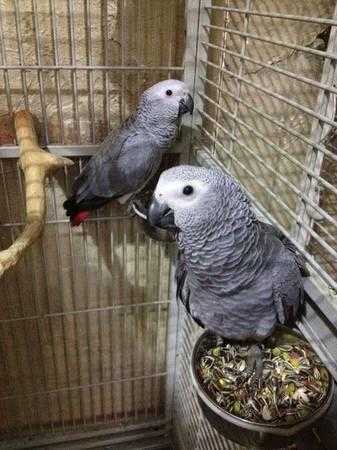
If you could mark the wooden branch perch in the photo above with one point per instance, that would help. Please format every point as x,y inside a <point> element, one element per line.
<point>36,165</point>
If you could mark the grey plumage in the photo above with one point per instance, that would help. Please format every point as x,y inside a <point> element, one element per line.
<point>129,157</point>
<point>237,276</point>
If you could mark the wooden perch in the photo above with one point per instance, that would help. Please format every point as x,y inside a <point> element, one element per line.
<point>36,165</point>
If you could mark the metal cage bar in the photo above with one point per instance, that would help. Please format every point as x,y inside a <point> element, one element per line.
<point>227,134</point>
<point>282,98</point>
<point>325,87</point>
<point>100,334</point>
<point>285,44</point>
<point>275,15</point>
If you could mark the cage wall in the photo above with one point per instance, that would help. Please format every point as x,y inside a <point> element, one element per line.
<point>266,83</point>
<point>265,91</point>
<point>84,315</point>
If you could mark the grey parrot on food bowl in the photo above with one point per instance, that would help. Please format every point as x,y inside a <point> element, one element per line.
<point>237,276</point>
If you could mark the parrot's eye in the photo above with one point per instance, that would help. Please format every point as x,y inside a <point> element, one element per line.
<point>188,190</point>
<point>168,92</point>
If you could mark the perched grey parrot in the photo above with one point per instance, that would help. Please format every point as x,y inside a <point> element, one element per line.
<point>240,276</point>
<point>129,158</point>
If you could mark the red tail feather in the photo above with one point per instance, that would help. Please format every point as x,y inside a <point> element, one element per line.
<point>78,218</point>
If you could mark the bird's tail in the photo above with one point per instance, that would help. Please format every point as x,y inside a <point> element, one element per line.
<point>77,216</point>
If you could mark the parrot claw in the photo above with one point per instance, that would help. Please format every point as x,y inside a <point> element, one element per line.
<point>139,209</point>
<point>220,341</point>
<point>254,365</point>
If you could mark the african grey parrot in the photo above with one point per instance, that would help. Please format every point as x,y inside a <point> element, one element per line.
<point>129,158</point>
<point>241,276</point>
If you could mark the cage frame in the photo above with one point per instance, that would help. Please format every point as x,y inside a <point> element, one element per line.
<point>321,314</point>
<point>317,324</point>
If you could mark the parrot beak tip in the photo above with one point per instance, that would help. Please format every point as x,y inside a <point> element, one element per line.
<point>186,105</point>
<point>160,215</point>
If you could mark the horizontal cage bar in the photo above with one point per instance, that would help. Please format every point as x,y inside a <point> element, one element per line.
<point>311,261</point>
<point>256,37</point>
<point>273,15</point>
<point>321,241</point>
<point>273,68</point>
<point>24,67</point>
<point>263,162</point>
<point>276,148</point>
<point>270,119</point>
<point>82,387</point>
<point>87,311</point>
<point>296,105</point>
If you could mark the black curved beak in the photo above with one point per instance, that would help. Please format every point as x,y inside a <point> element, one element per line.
<point>186,105</point>
<point>160,215</point>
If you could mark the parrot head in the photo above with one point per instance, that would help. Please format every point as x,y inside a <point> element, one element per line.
<point>167,101</point>
<point>188,195</point>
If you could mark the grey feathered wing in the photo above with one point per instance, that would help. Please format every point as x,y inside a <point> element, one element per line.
<point>287,268</point>
<point>183,291</point>
<point>278,287</point>
<point>123,167</point>
<point>299,258</point>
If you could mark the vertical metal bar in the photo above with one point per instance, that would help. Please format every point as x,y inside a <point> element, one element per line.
<point>126,291</point>
<point>124,315</point>
<point>158,328</point>
<point>126,385</point>
<point>4,416</point>
<point>61,284</point>
<point>170,19</point>
<point>156,399</point>
<point>195,14</point>
<point>99,317</point>
<point>132,328</point>
<point>147,401</point>
<point>56,72</point>
<point>38,312</point>
<point>89,72</point>
<point>77,334</point>
<point>174,324</point>
<point>4,62</point>
<point>138,50</point>
<point>122,41</point>
<point>53,345</point>
<point>21,398</point>
<point>88,328</point>
<point>73,71</point>
<point>136,312</point>
<point>106,59</point>
<point>111,315</point>
<point>220,78</point>
<point>39,72</point>
<point>17,354</point>
<point>238,90</point>
<point>319,131</point>
<point>21,58</point>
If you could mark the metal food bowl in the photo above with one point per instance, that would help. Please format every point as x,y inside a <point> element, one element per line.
<point>242,431</point>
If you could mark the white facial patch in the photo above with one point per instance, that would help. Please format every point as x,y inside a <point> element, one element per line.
<point>178,89</point>
<point>172,193</point>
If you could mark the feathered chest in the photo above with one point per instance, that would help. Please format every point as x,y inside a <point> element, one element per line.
<point>166,136</point>
<point>224,262</point>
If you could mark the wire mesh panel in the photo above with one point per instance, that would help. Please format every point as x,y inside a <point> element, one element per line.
<point>80,65</point>
<point>265,94</point>
<point>83,316</point>
<point>266,82</point>
<point>191,430</point>
<point>83,319</point>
